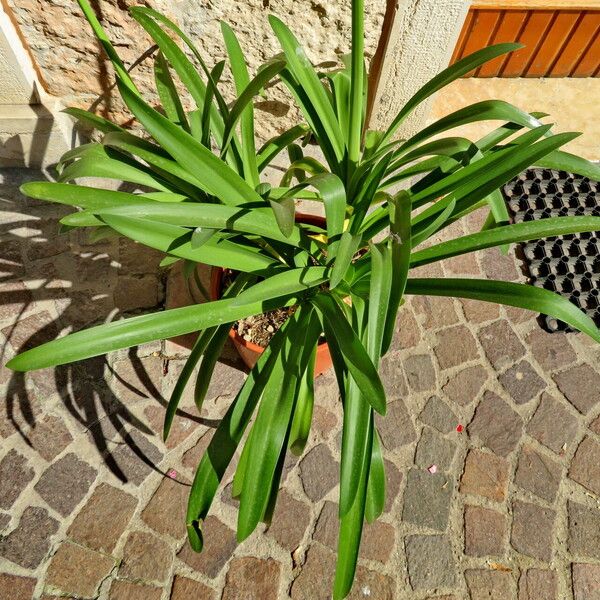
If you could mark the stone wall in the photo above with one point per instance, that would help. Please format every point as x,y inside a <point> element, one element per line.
<point>73,68</point>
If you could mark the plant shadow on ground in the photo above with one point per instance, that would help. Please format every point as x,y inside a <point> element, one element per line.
<point>51,281</point>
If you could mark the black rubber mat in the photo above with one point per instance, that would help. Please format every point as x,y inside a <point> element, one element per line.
<point>569,264</point>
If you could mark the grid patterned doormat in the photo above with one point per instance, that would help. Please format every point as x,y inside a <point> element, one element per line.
<point>567,264</point>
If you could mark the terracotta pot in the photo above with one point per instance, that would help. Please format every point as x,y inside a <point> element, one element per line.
<point>248,351</point>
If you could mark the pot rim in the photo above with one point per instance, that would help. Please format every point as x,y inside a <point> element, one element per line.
<point>217,276</point>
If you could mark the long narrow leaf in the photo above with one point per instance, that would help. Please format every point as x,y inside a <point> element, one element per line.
<point>510,294</point>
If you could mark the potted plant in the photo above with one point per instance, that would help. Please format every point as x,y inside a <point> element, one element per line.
<point>207,204</point>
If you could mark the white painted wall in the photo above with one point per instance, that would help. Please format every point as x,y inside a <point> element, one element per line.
<point>33,132</point>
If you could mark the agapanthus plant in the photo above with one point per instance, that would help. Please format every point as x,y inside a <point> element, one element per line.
<point>203,199</point>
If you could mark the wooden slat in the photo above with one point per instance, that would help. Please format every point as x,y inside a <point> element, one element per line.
<point>464,34</point>
<point>482,29</point>
<point>553,43</point>
<point>577,45</point>
<point>509,30</point>
<point>538,4</point>
<point>531,37</point>
<point>590,61</point>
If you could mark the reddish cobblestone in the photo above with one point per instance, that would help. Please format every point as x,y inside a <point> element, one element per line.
<point>464,387</point>
<point>251,578</point>
<point>455,346</point>
<point>485,531</point>
<point>585,468</point>
<point>485,475</point>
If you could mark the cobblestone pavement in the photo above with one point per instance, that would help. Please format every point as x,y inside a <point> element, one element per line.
<point>92,502</point>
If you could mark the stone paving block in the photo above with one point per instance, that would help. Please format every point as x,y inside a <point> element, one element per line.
<point>318,472</point>
<point>125,590</point>
<point>439,415</point>
<point>50,437</point>
<point>580,386</point>
<point>250,577</point>
<point>65,483</point>
<point>464,387</point>
<point>427,499</point>
<point>585,466</point>
<point>420,372</point>
<point>455,346</point>
<point>501,344</point>
<point>522,382</point>
<point>496,425</point>
<point>479,312</point>
<point>181,429</point>
<point>290,521</point>
<point>192,457</point>
<point>434,449</point>
<point>4,521</point>
<point>538,474</point>
<point>584,531</point>
<point>538,584</point>
<point>393,479</point>
<point>219,544</point>
<point>316,576</point>
<point>31,331</point>
<point>533,530</point>
<point>165,513</point>
<point>430,562</point>
<point>319,567</point>
<point>498,266</point>
<point>586,581</point>
<point>485,584</point>
<point>15,474</point>
<point>372,585</point>
<point>324,422</point>
<point>145,556</point>
<point>485,475</point>
<point>185,588</point>
<point>595,426</point>
<point>553,425</point>
<point>435,312</point>
<point>551,350</point>
<point>377,541</point>
<point>13,587</point>
<point>77,570</point>
<point>485,531</point>
<point>406,333</point>
<point>136,457</point>
<point>102,521</point>
<point>29,542</point>
<point>392,376</point>
<point>396,429</point>
<point>462,264</point>
<point>137,379</point>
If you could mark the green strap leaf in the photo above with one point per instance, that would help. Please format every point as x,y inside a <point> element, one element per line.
<point>347,248</point>
<point>355,356</point>
<point>227,436</point>
<point>508,234</point>
<point>401,243</point>
<point>135,331</point>
<point>259,222</point>
<point>213,173</point>
<point>447,76</point>
<point>177,241</point>
<point>376,486</point>
<point>275,145</point>
<point>167,92</point>
<point>290,281</point>
<point>96,121</point>
<point>273,420</point>
<point>300,428</point>
<point>510,294</point>
<point>243,106</point>
<point>308,79</point>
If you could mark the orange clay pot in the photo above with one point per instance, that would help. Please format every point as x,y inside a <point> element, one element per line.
<point>248,351</point>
